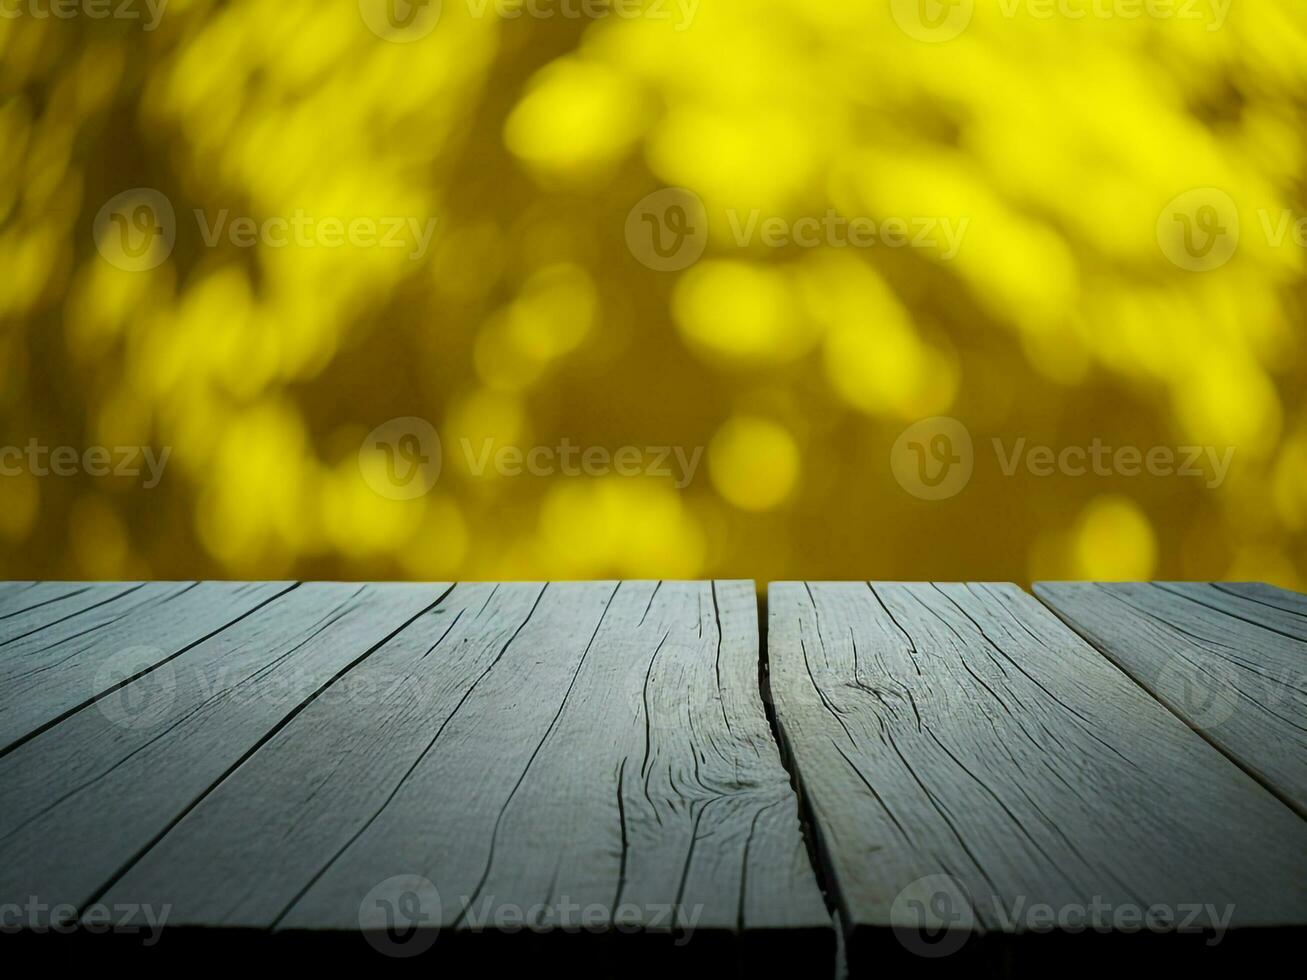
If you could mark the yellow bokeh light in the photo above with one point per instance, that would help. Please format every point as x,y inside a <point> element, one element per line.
<point>1049,287</point>
<point>1114,541</point>
<point>754,463</point>
<point>576,118</point>
<point>742,312</point>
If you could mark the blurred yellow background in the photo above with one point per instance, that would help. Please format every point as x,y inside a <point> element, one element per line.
<point>1082,303</point>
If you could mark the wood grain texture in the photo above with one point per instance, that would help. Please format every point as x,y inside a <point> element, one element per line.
<point>1231,660</point>
<point>1271,598</point>
<point>62,653</point>
<point>17,598</point>
<point>83,799</point>
<point>323,779</point>
<point>12,590</point>
<point>12,586</point>
<point>959,746</point>
<point>51,604</point>
<point>591,759</point>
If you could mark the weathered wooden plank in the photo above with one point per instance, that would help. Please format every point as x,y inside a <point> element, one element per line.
<point>1267,595</point>
<point>17,596</point>
<point>1230,661</point>
<point>83,799</point>
<point>244,856</point>
<point>1274,609</point>
<point>51,604</point>
<point>977,774</point>
<point>590,759</point>
<point>53,667</point>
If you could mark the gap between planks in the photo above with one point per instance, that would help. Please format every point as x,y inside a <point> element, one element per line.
<point>750,678</point>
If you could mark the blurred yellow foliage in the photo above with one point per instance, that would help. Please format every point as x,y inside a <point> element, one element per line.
<point>431,217</point>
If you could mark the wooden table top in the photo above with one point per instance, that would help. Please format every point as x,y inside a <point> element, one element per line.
<point>619,778</point>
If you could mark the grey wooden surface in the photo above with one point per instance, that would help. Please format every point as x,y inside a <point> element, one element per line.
<point>1230,659</point>
<point>962,750</point>
<point>590,754</point>
<point>83,800</point>
<point>603,774</point>
<point>74,641</point>
<point>618,756</point>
